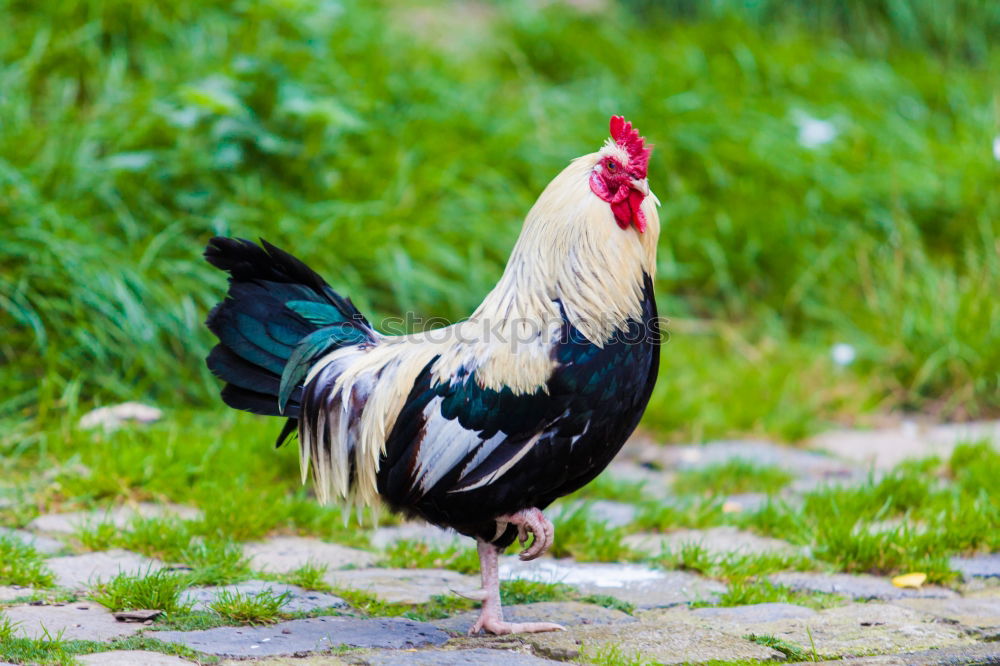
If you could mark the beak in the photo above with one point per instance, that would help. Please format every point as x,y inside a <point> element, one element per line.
<point>641,186</point>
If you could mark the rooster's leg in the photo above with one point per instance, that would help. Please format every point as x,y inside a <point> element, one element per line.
<point>530,521</point>
<point>491,617</point>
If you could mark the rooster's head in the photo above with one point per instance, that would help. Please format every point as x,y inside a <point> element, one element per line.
<point>619,177</point>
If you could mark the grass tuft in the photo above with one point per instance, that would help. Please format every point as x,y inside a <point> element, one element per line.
<point>611,654</point>
<point>309,577</point>
<point>732,566</point>
<point>746,592</point>
<point>586,539</point>
<point>263,607</point>
<point>20,564</point>
<point>528,592</point>
<point>608,601</point>
<point>792,651</point>
<point>410,554</point>
<point>156,590</point>
<point>732,477</point>
<point>681,512</point>
<point>440,606</point>
<point>213,560</point>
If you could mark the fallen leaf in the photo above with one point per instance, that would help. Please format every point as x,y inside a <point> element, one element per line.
<point>910,580</point>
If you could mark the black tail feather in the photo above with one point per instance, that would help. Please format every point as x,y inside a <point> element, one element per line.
<point>257,331</point>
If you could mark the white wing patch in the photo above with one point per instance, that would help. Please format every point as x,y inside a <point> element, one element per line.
<point>490,478</point>
<point>445,444</point>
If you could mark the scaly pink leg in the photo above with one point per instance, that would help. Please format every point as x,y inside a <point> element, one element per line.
<point>491,618</point>
<point>534,522</point>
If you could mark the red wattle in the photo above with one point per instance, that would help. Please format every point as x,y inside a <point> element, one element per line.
<point>635,199</point>
<point>623,213</point>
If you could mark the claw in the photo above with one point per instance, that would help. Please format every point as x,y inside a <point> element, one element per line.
<point>532,522</point>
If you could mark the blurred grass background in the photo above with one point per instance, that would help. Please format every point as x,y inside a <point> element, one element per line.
<point>827,171</point>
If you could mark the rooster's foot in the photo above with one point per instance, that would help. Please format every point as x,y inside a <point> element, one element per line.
<point>531,521</point>
<point>493,623</point>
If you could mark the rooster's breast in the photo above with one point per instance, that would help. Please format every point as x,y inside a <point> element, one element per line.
<point>459,454</point>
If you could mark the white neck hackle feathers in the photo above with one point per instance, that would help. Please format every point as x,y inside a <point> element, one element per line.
<point>570,252</point>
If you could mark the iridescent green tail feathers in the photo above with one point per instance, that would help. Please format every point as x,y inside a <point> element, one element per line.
<point>278,318</point>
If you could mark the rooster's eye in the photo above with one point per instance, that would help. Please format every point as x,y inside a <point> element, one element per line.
<point>611,166</point>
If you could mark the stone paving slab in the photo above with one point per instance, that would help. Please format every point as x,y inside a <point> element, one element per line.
<point>639,585</point>
<point>656,484</point>
<point>980,566</point>
<point>302,660</point>
<point>768,612</point>
<point>566,613</point>
<point>612,514</point>
<point>403,586</point>
<point>11,592</point>
<point>856,629</point>
<point>317,634</point>
<point>119,516</point>
<point>860,629</point>
<point>80,571</point>
<point>662,643</point>
<point>431,535</point>
<point>978,654</point>
<point>83,620</point>
<point>42,544</point>
<point>287,553</point>
<point>716,540</point>
<point>860,586</point>
<point>471,657</point>
<point>300,600</point>
<point>981,614</point>
<point>887,447</point>
<point>747,502</point>
<point>798,462</point>
<point>131,658</point>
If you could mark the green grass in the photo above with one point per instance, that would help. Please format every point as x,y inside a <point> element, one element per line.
<point>530,592</point>
<point>20,564</point>
<point>611,654</point>
<point>189,621</point>
<point>45,650</point>
<point>156,590</point>
<point>309,577</point>
<point>209,461</point>
<point>214,560</point>
<point>732,477</point>
<point>748,591</point>
<point>438,607</point>
<point>608,601</point>
<point>686,512</point>
<point>579,535</point>
<point>605,487</point>
<point>131,135</point>
<point>923,518</point>
<point>263,607</point>
<point>730,566</point>
<point>410,554</point>
<point>55,650</point>
<point>792,651</point>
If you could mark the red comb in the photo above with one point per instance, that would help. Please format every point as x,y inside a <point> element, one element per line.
<point>635,145</point>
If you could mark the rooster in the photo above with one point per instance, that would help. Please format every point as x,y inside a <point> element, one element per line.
<point>480,425</point>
